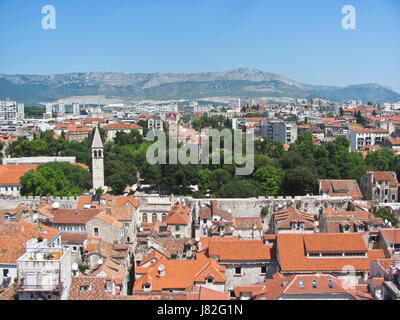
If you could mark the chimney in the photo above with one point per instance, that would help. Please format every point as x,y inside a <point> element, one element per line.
<point>213,206</point>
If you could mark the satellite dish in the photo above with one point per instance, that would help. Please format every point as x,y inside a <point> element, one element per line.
<point>56,205</point>
<point>74,266</point>
<point>100,261</point>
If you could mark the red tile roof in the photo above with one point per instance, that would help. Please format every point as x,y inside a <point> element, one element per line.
<point>240,250</point>
<point>292,250</point>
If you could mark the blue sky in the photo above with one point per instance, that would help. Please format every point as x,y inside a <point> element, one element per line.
<point>302,40</point>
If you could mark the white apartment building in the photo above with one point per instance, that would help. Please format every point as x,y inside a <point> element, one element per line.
<point>61,110</point>
<point>44,272</point>
<point>285,132</point>
<point>76,109</point>
<point>362,137</point>
<point>8,110</point>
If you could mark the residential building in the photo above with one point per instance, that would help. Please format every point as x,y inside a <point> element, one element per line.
<point>10,176</point>
<point>112,129</point>
<point>44,272</point>
<point>13,237</point>
<point>246,261</point>
<point>292,220</point>
<point>340,188</point>
<point>380,186</point>
<point>359,137</point>
<point>343,255</point>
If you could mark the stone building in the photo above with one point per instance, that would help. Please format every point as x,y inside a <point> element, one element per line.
<point>246,261</point>
<point>380,186</point>
<point>97,161</point>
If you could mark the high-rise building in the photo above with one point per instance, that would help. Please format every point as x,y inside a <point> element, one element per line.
<point>8,110</point>
<point>61,110</point>
<point>75,109</point>
<point>285,132</point>
<point>21,111</point>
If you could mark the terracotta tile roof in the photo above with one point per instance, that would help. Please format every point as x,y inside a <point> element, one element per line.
<point>369,130</point>
<point>83,166</point>
<point>87,288</point>
<point>240,250</point>
<point>122,126</point>
<point>75,238</point>
<point>334,242</point>
<point>284,218</point>
<point>210,294</point>
<point>247,223</point>
<point>205,241</point>
<point>13,237</point>
<point>74,216</point>
<point>11,174</point>
<point>16,213</point>
<point>154,255</point>
<point>292,250</point>
<point>385,176</point>
<point>391,235</point>
<point>394,141</point>
<point>108,219</point>
<point>179,214</point>
<point>347,188</point>
<point>123,200</point>
<point>181,274</point>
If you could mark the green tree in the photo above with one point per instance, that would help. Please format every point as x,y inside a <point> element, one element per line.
<point>270,178</point>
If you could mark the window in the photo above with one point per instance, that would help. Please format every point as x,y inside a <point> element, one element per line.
<point>164,217</point>
<point>144,218</point>
<point>96,232</point>
<point>330,283</point>
<point>263,270</point>
<point>108,285</point>
<point>386,192</point>
<point>126,225</point>
<point>301,284</point>
<point>314,283</point>
<point>393,196</point>
<point>5,273</point>
<point>147,286</point>
<point>210,280</point>
<point>74,249</point>
<point>128,239</point>
<point>232,294</point>
<point>154,217</point>
<point>238,270</point>
<point>49,296</point>
<point>177,227</point>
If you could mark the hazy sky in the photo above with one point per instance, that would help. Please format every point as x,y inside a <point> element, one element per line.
<point>303,40</point>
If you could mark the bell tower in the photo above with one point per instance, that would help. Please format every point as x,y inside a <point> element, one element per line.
<point>97,161</point>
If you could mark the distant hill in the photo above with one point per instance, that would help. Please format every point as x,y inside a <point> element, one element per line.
<point>243,82</point>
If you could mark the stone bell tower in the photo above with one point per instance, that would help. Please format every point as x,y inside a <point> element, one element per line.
<point>97,161</point>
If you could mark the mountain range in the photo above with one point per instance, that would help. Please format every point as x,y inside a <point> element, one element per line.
<point>242,82</point>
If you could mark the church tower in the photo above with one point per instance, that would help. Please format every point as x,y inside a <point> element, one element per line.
<point>97,161</point>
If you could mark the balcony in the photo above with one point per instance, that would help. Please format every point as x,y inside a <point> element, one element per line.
<point>39,287</point>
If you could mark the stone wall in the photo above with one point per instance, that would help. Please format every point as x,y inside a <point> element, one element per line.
<point>33,202</point>
<point>252,207</point>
